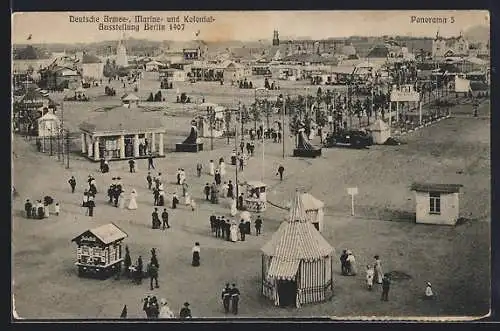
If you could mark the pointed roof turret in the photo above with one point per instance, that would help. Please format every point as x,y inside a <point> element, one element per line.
<point>297,239</point>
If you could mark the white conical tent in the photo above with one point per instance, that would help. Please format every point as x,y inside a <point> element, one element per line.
<point>298,253</point>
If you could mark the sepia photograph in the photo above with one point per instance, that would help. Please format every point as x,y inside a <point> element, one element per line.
<point>176,166</point>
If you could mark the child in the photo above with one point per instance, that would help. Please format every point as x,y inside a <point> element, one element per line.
<point>369,277</point>
<point>57,209</point>
<point>428,291</point>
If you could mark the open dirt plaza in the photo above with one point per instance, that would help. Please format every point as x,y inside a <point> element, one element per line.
<point>455,259</point>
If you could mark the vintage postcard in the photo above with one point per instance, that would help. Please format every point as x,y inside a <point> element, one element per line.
<point>260,164</point>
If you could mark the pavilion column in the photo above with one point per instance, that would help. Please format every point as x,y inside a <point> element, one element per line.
<point>96,149</point>
<point>122,147</point>
<point>160,145</point>
<point>84,143</point>
<point>89,146</point>
<point>153,143</point>
<point>136,145</point>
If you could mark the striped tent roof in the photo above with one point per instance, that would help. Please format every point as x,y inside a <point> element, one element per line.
<point>297,239</point>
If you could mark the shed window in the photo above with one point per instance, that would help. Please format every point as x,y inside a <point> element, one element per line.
<point>434,203</point>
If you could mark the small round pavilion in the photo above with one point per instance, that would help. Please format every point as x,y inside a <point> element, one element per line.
<point>297,262</point>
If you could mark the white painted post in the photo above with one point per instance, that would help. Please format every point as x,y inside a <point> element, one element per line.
<point>160,145</point>
<point>122,147</point>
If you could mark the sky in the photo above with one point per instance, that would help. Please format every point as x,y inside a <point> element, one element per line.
<point>55,27</point>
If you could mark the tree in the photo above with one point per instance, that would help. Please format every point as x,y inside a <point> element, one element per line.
<point>227,119</point>
<point>255,114</point>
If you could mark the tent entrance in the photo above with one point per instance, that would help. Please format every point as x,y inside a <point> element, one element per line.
<point>287,291</point>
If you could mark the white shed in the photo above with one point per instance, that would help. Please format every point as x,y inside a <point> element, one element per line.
<point>314,210</point>
<point>380,132</point>
<point>48,125</point>
<point>436,203</point>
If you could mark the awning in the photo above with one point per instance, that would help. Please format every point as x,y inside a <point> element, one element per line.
<point>283,269</point>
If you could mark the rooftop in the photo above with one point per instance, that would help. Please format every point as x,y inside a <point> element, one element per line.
<point>438,188</point>
<point>107,233</point>
<point>122,120</point>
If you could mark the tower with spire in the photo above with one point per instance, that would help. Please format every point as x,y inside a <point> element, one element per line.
<point>276,38</point>
<point>121,54</point>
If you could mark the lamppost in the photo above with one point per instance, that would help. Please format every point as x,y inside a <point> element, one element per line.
<point>50,137</point>
<point>236,148</point>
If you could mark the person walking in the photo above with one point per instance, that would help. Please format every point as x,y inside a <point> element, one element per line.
<point>377,266</point>
<point>206,190</point>
<point>343,262</point>
<point>242,229</point>
<point>258,225</point>
<point>155,220</point>
<point>185,312</point>
<point>149,180</point>
<point>386,285</point>
<point>226,298</point>
<point>281,169</point>
<point>199,168</point>
<point>131,165</point>
<point>153,274</point>
<point>28,206</point>
<point>235,299</point>
<point>369,277</point>
<point>429,294</point>
<point>72,183</point>
<point>196,255</point>
<point>164,218</point>
<point>150,161</point>
<point>165,311</point>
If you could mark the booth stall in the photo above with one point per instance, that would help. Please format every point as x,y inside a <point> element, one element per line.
<point>297,262</point>
<point>255,198</point>
<point>99,251</point>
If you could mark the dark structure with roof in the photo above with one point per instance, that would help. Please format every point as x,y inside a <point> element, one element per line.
<point>122,133</point>
<point>99,252</point>
<point>436,203</point>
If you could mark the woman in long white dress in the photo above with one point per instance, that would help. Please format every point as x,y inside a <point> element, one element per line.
<point>187,198</point>
<point>234,210</point>
<point>165,311</point>
<point>222,167</point>
<point>121,200</point>
<point>211,168</point>
<point>233,231</point>
<point>377,266</point>
<point>133,202</point>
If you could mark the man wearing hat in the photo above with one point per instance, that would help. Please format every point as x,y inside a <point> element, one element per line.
<point>235,298</point>
<point>386,285</point>
<point>226,297</point>
<point>27,208</point>
<point>185,312</point>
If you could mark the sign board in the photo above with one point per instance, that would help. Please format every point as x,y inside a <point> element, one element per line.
<point>462,85</point>
<point>405,93</point>
<point>352,190</point>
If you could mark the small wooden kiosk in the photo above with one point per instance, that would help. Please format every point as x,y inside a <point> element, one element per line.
<point>99,251</point>
<point>255,198</point>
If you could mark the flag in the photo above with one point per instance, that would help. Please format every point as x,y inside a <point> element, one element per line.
<point>29,37</point>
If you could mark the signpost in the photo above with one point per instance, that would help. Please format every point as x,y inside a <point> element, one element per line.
<point>352,191</point>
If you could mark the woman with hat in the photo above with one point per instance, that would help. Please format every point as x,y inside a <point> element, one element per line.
<point>133,200</point>
<point>377,266</point>
<point>185,312</point>
<point>165,311</point>
<point>196,255</point>
<point>351,264</point>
